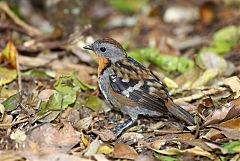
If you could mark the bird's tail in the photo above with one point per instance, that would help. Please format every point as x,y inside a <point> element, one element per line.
<point>180,113</point>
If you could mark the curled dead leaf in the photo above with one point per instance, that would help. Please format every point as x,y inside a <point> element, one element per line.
<point>228,111</point>
<point>228,132</point>
<point>123,151</point>
<point>84,139</point>
<point>92,148</point>
<point>229,129</point>
<point>9,54</point>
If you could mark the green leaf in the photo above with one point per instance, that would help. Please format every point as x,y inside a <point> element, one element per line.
<point>164,158</point>
<point>93,102</point>
<point>40,73</point>
<point>166,62</point>
<point>127,5</point>
<point>7,75</point>
<point>12,102</point>
<point>65,94</point>
<point>44,107</point>
<point>224,40</point>
<point>227,34</point>
<point>80,84</point>
<point>57,102</point>
<point>232,146</point>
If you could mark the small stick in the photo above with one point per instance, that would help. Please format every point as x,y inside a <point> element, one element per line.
<point>14,123</point>
<point>18,73</point>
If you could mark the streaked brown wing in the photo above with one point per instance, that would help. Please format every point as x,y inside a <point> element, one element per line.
<point>143,87</point>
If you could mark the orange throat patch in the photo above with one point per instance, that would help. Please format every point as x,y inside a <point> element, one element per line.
<point>102,63</point>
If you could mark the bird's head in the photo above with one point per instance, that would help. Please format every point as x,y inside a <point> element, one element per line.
<point>107,48</point>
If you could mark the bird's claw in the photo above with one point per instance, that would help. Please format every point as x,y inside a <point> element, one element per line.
<point>121,127</point>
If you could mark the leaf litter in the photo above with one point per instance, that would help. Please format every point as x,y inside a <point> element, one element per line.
<point>60,114</point>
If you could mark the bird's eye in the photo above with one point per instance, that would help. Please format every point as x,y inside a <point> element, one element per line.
<point>103,49</point>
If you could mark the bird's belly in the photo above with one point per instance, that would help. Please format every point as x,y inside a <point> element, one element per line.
<point>105,87</point>
<point>135,111</point>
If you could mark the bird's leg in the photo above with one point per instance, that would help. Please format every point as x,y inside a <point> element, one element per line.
<point>121,127</point>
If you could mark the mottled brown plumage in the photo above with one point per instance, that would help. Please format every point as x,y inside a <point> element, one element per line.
<point>130,87</point>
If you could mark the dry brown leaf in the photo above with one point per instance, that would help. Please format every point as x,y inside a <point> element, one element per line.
<point>234,106</point>
<point>130,137</point>
<point>145,157</point>
<point>9,54</point>
<point>66,68</point>
<point>45,94</point>
<point>100,157</point>
<point>34,61</point>
<point>49,138</point>
<point>228,132</point>
<point>186,136</point>
<point>2,112</point>
<point>214,134</point>
<point>92,148</point>
<point>194,151</point>
<point>233,124</point>
<point>83,124</point>
<point>158,143</point>
<point>123,151</point>
<point>233,83</point>
<point>215,146</point>
<point>39,156</point>
<point>156,126</point>
<point>229,129</point>
<point>226,112</point>
<point>71,115</point>
<point>105,134</point>
<point>197,142</point>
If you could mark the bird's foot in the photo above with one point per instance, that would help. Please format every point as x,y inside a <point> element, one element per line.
<point>121,127</point>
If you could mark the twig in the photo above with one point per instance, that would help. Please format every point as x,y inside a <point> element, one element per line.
<point>163,132</point>
<point>31,30</point>
<point>201,94</point>
<point>14,123</point>
<point>18,73</point>
<point>40,117</point>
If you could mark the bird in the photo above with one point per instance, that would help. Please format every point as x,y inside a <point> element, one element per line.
<point>132,88</point>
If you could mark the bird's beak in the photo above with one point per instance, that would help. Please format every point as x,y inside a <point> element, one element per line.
<point>88,47</point>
